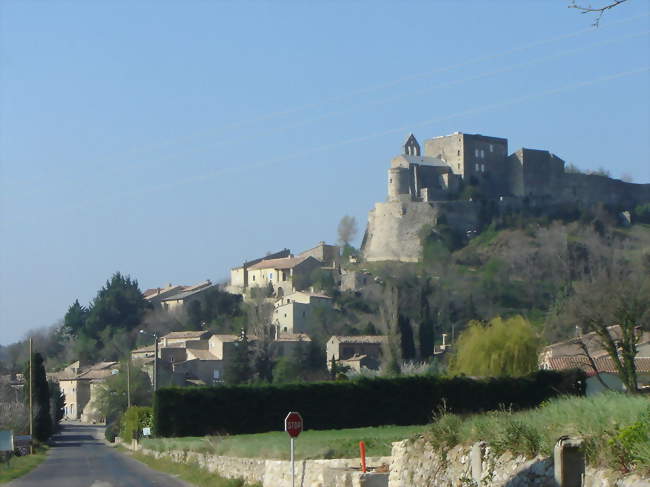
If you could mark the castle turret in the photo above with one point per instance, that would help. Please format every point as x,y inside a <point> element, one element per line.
<point>398,184</point>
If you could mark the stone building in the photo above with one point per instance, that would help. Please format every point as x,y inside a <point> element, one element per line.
<point>356,351</point>
<point>292,313</point>
<point>439,187</point>
<point>80,389</point>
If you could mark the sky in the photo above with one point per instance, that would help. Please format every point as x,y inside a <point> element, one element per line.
<point>172,140</point>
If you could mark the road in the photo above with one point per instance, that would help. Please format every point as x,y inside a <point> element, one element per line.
<point>80,458</point>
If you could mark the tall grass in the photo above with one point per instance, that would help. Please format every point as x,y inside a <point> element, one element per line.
<point>599,420</point>
<point>19,466</point>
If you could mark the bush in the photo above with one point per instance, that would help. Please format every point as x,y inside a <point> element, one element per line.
<point>112,430</point>
<point>348,404</point>
<point>134,419</point>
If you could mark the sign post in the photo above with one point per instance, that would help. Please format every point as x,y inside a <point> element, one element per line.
<point>293,426</point>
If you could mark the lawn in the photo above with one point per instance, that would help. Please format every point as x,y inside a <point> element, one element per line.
<point>19,466</point>
<point>310,444</point>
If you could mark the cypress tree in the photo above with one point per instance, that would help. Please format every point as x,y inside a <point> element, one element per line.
<point>40,399</point>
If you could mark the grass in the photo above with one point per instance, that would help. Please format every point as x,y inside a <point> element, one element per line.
<point>600,420</point>
<point>19,466</point>
<point>190,472</point>
<point>310,444</point>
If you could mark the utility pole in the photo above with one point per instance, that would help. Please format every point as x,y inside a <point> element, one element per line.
<point>128,382</point>
<point>31,415</point>
<point>155,365</point>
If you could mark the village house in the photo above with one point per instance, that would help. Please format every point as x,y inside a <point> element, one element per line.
<point>80,390</point>
<point>570,354</point>
<point>181,300</point>
<point>292,313</point>
<point>239,275</point>
<point>356,351</point>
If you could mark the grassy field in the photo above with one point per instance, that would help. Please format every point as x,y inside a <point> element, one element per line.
<point>310,444</point>
<point>19,466</point>
<point>616,429</point>
<point>189,472</point>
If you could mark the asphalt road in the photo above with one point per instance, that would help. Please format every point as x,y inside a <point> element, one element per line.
<point>80,458</point>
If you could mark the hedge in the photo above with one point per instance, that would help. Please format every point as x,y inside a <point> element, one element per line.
<point>348,404</point>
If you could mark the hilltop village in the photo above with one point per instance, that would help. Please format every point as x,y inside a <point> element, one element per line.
<point>326,309</point>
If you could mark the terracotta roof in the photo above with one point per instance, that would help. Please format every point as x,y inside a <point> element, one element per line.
<point>603,364</point>
<point>360,339</point>
<point>591,340</point>
<point>285,263</point>
<point>100,370</point>
<point>188,291</point>
<point>186,334</point>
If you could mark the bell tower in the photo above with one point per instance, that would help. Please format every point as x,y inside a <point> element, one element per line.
<point>411,146</point>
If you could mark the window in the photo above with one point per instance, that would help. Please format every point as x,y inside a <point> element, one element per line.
<point>285,315</point>
<point>482,154</point>
<point>270,276</point>
<point>476,167</point>
<point>476,153</point>
<point>458,153</point>
<point>491,148</point>
<point>303,314</point>
<point>482,167</point>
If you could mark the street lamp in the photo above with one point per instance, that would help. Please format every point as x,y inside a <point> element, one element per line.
<point>155,358</point>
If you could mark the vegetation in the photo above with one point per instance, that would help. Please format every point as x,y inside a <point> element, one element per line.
<point>497,348</point>
<point>19,466</point>
<point>190,472</point>
<point>43,426</point>
<point>373,402</point>
<point>311,444</point>
<point>615,428</point>
<point>134,420</point>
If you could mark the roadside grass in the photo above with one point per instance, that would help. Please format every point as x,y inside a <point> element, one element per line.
<point>190,472</point>
<point>603,421</point>
<point>19,466</point>
<point>311,444</point>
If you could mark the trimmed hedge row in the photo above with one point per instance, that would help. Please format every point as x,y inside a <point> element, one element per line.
<point>348,404</point>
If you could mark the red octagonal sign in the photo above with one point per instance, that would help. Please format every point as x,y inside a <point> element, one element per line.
<point>293,424</point>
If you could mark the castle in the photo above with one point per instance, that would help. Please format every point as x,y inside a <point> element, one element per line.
<point>459,173</point>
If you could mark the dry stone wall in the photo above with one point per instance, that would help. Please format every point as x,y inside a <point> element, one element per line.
<point>415,463</point>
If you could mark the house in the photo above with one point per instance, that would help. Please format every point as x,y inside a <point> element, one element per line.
<point>357,349</point>
<point>181,300</point>
<point>284,344</point>
<point>328,255</point>
<point>182,338</point>
<point>80,390</point>
<point>143,353</point>
<point>285,275</point>
<point>292,313</point>
<point>572,347</point>
<point>239,275</point>
<point>604,367</point>
<point>154,296</point>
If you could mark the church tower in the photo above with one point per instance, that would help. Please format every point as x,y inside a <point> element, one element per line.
<point>411,146</point>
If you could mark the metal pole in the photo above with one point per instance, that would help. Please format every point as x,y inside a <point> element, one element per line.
<point>128,382</point>
<point>155,365</point>
<point>293,470</point>
<point>31,416</point>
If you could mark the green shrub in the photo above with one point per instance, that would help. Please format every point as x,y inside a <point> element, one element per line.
<point>631,444</point>
<point>348,404</point>
<point>134,419</point>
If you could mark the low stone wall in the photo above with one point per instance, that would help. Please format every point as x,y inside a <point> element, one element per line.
<point>277,473</point>
<point>415,463</point>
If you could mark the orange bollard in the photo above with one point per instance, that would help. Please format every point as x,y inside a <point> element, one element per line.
<point>362,448</point>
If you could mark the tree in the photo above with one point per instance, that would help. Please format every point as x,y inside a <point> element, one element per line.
<point>13,413</point>
<point>238,368</point>
<point>498,348</point>
<point>599,11</point>
<point>57,404</point>
<point>112,395</point>
<point>347,230</point>
<point>75,319</point>
<point>40,398</point>
<point>613,303</point>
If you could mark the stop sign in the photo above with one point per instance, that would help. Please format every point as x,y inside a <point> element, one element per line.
<point>293,424</point>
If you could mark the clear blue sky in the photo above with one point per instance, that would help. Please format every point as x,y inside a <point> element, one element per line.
<point>172,140</point>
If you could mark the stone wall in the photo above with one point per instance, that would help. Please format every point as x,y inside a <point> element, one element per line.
<point>277,473</point>
<point>416,463</point>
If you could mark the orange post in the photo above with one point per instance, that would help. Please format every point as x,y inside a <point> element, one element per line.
<point>362,448</point>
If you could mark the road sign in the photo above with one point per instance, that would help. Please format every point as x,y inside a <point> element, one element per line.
<point>293,424</point>
<point>6,440</point>
<point>146,431</point>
